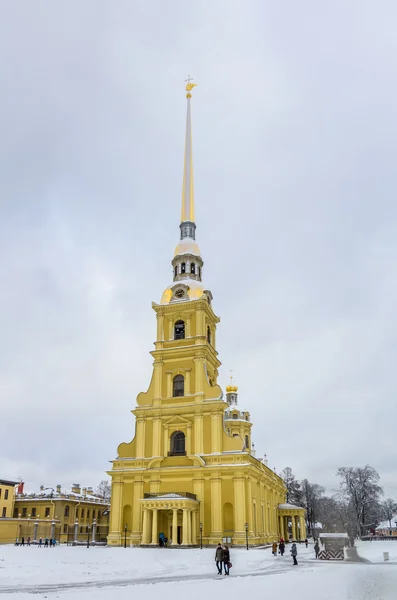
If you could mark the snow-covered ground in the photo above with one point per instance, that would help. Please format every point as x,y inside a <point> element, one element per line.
<point>107,573</point>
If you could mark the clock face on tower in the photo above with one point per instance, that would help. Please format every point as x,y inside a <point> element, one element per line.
<point>179,293</point>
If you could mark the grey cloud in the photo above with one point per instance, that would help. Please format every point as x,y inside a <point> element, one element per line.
<point>294,134</point>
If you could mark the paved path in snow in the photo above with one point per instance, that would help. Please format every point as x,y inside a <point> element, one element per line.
<point>273,569</point>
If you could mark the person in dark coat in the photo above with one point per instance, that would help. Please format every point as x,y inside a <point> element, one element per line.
<point>306,542</point>
<point>316,548</point>
<point>294,553</point>
<point>226,559</point>
<point>281,548</point>
<point>219,554</point>
<point>23,541</point>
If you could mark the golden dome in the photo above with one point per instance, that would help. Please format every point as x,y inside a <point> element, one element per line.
<point>231,388</point>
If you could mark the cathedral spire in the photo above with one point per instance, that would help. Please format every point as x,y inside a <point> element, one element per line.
<point>187,215</point>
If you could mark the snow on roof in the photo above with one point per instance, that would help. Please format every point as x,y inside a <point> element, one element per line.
<point>289,506</point>
<point>386,524</point>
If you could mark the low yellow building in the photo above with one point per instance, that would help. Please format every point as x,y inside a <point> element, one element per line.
<point>67,516</point>
<point>7,497</point>
<point>190,474</point>
<point>8,528</point>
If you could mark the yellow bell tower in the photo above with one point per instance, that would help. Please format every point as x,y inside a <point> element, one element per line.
<point>190,472</point>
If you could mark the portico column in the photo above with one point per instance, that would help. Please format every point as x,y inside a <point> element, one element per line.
<point>93,537</point>
<point>145,527</point>
<point>174,527</point>
<point>280,520</point>
<point>154,527</point>
<point>194,527</point>
<point>293,528</point>
<point>189,527</point>
<point>303,528</point>
<point>35,528</point>
<point>185,527</point>
<point>76,532</point>
<point>286,536</point>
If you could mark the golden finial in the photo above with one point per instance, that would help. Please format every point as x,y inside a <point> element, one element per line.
<point>231,387</point>
<point>189,86</point>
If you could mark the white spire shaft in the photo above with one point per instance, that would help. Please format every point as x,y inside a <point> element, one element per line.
<point>188,185</point>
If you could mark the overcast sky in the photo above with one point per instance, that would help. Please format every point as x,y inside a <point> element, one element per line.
<point>294,145</point>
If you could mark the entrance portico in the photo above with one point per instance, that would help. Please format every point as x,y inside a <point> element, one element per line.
<point>175,515</point>
<point>288,513</point>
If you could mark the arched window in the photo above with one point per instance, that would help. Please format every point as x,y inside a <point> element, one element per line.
<point>208,335</point>
<point>183,268</point>
<point>193,268</point>
<point>66,513</point>
<point>176,271</point>
<point>179,330</point>
<point>199,271</point>
<point>93,514</point>
<point>247,442</point>
<point>179,385</point>
<point>178,444</point>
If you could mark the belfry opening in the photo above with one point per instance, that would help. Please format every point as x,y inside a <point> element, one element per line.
<point>190,475</point>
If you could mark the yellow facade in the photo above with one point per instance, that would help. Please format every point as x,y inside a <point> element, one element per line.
<point>190,472</point>
<point>7,498</point>
<point>55,513</point>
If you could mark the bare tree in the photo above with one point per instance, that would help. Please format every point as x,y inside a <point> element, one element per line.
<point>361,492</point>
<point>311,494</point>
<point>294,493</point>
<point>103,490</point>
<point>388,510</point>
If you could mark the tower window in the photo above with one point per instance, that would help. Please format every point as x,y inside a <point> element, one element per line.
<point>176,271</point>
<point>193,268</point>
<point>178,444</point>
<point>179,330</point>
<point>247,442</point>
<point>183,268</point>
<point>199,271</point>
<point>179,386</point>
<point>66,513</point>
<point>208,335</point>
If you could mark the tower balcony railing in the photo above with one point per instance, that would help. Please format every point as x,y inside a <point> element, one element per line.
<point>177,453</point>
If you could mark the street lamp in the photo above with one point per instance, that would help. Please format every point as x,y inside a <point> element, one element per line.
<point>201,536</point>
<point>125,535</point>
<point>246,534</point>
<point>88,535</point>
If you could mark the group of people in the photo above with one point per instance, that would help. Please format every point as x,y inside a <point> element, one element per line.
<point>48,542</point>
<point>280,547</point>
<point>222,559</point>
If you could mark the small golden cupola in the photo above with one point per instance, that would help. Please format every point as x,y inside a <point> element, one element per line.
<point>237,420</point>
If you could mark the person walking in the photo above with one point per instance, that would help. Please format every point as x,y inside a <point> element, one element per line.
<point>294,553</point>
<point>226,559</point>
<point>23,541</point>
<point>306,542</point>
<point>281,548</point>
<point>17,542</point>
<point>219,554</point>
<point>28,541</point>
<point>46,543</point>
<point>40,542</point>
<point>274,548</point>
<point>317,548</point>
